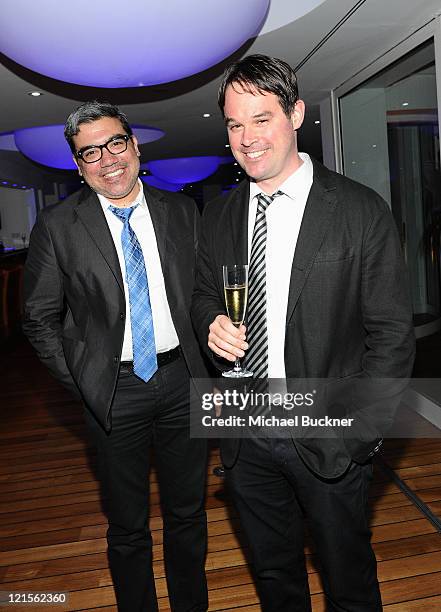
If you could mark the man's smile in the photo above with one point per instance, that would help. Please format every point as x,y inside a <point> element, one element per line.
<point>113,173</point>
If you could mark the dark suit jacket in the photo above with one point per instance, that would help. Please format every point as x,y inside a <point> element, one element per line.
<point>74,297</point>
<point>349,313</point>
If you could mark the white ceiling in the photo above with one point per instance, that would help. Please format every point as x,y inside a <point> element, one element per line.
<point>371,27</point>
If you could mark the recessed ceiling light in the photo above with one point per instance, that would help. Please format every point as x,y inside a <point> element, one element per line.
<point>227,146</point>
<point>374,146</point>
<point>237,180</point>
<point>35,94</point>
<point>317,122</point>
<point>239,172</point>
<point>82,182</point>
<point>405,104</point>
<point>206,115</point>
<point>235,164</point>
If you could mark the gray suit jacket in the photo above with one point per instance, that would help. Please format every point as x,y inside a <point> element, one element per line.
<point>348,314</point>
<point>74,297</point>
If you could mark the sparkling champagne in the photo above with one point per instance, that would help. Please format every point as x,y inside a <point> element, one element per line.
<point>236,296</point>
<point>236,302</point>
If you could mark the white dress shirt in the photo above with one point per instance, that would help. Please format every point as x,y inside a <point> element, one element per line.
<point>165,333</point>
<point>284,217</point>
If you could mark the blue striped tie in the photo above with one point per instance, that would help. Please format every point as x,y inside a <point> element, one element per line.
<point>143,336</point>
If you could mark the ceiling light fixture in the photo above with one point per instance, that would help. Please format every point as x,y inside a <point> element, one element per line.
<point>153,181</point>
<point>35,94</point>
<point>46,144</point>
<point>185,169</point>
<point>172,51</point>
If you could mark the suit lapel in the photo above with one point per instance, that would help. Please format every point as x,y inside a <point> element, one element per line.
<point>158,209</point>
<point>316,219</point>
<point>239,205</point>
<point>91,214</point>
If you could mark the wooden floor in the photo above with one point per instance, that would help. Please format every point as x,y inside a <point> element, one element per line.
<point>52,527</point>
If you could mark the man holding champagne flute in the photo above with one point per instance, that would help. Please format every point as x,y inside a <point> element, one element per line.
<point>327,300</point>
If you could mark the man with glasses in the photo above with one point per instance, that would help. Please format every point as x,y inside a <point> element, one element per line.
<point>108,284</point>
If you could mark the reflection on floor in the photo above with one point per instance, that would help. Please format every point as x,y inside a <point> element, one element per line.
<point>53,529</point>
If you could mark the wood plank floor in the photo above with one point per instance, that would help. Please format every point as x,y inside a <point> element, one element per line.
<point>52,528</point>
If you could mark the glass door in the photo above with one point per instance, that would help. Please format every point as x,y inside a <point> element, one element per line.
<point>390,142</point>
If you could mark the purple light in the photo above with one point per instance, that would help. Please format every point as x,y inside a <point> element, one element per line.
<point>155,182</point>
<point>226,159</point>
<point>166,40</point>
<point>46,144</point>
<point>5,183</point>
<point>185,169</point>
<point>146,134</point>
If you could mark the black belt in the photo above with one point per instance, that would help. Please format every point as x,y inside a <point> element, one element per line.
<point>162,359</point>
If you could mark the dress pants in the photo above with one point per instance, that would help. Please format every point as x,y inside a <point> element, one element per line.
<point>144,415</point>
<point>274,492</point>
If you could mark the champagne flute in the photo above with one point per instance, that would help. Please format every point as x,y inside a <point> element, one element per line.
<point>236,297</point>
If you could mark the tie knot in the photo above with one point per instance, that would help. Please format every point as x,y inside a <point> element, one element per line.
<point>123,214</point>
<point>263,200</point>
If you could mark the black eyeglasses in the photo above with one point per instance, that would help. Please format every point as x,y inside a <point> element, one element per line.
<point>93,153</point>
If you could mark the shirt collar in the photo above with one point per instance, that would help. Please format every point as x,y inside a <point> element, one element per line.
<point>295,183</point>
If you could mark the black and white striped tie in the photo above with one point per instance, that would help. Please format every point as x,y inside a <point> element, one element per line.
<point>257,333</point>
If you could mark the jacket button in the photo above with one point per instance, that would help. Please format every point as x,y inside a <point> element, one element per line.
<point>121,316</point>
<point>116,359</point>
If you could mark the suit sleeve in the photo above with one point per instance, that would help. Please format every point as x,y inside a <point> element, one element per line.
<point>44,304</point>
<point>386,307</point>
<point>390,340</point>
<point>206,303</point>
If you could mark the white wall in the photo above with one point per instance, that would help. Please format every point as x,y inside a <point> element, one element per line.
<point>327,133</point>
<point>18,212</point>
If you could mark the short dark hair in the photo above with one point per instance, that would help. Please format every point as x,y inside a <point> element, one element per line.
<point>263,73</point>
<point>89,112</point>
